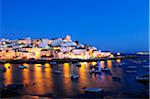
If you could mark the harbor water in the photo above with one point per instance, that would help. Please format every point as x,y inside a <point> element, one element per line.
<point>54,80</point>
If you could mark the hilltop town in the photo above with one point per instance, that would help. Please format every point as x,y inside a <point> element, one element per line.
<point>47,49</point>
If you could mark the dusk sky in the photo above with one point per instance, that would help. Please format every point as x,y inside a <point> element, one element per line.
<point>114,25</point>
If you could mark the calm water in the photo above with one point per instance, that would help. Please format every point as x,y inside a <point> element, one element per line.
<point>44,81</point>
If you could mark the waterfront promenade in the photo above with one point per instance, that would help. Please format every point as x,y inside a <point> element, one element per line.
<point>65,60</point>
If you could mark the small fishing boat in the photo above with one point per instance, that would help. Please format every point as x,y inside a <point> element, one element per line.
<point>95,71</point>
<point>145,66</point>
<point>22,67</point>
<point>15,86</point>
<point>142,79</point>
<point>74,76</point>
<point>78,65</point>
<point>42,66</point>
<point>57,72</point>
<point>120,64</point>
<point>11,86</point>
<point>93,66</point>
<point>131,71</point>
<point>93,90</point>
<point>53,63</point>
<point>132,67</point>
<point>105,70</point>
<point>123,63</point>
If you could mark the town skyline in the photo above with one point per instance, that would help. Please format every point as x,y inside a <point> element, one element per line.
<point>50,37</point>
<point>48,49</point>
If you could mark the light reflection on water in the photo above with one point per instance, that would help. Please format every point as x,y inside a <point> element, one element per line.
<point>66,69</point>
<point>48,75</point>
<point>39,79</point>
<point>118,60</point>
<point>67,84</point>
<point>8,74</point>
<point>43,80</point>
<point>109,64</point>
<point>82,76</point>
<point>102,64</point>
<point>26,74</point>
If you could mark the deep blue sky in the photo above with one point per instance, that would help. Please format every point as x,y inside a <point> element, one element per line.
<point>115,25</point>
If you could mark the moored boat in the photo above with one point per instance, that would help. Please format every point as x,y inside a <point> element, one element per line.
<point>15,86</point>
<point>145,66</point>
<point>78,65</point>
<point>42,66</point>
<point>22,67</point>
<point>142,79</point>
<point>131,71</point>
<point>93,66</point>
<point>95,71</point>
<point>93,90</point>
<point>105,70</point>
<point>53,63</point>
<point>120,64</point>
<point>132,67</point>
<point>74,76</point>
<point>57,72</point>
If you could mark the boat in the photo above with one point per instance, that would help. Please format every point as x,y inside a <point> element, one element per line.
<point>95,71</point>
<point>142,79</point>
<point>132,67</point>
<point>93,66</point>
<point>11,86</point>
<point>93,90</point>
<point>105,70</point>
<point>78,65</point>
<point>42,66</point>
<point>120,64</point>
<point>15,86</point>
<point>123,63</point>
<point>145,66</point>
<point>53,63</point>
<point>22,67</point>
<point>3,69</point>
<point>131,71</point>
<point>74,76</point>
<point>57,72</point>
